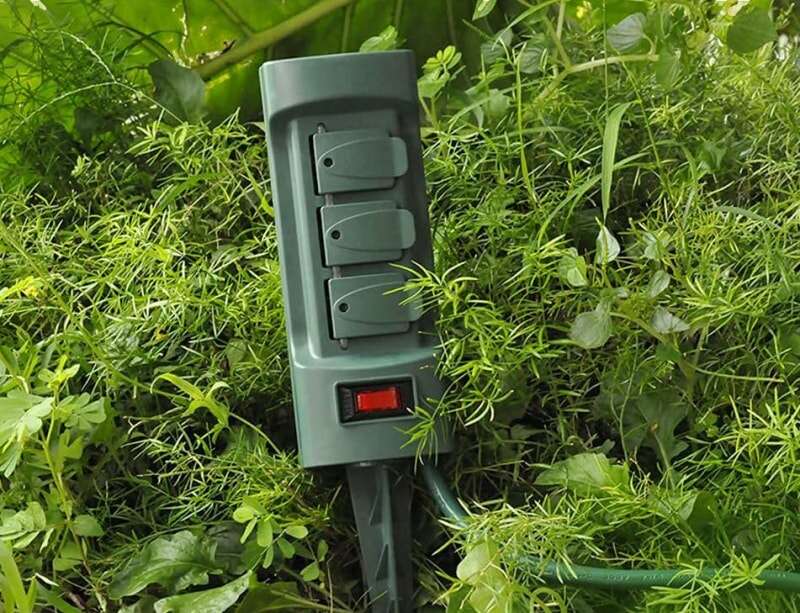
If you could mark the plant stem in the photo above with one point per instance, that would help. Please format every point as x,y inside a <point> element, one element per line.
<point>320,590</point>
<point>560,23</point>
<point>397,14</point>
<point>270,36</point>
<point>451,22</point>
<point>523,160</point>
<point>591,65</point>
<point>556,37</point>
<point>348,20</point>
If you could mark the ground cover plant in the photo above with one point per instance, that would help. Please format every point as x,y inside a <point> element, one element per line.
<point>614,188</point>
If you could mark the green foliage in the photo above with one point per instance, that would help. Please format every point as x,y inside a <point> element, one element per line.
<point>751,29</point>
<point>607,279</point>
<point>202,56</point>
<point>586,473</point>
<point>175,563</point>
<point>179,90</point>
<point>207,601</point>
<point>386,40</point>
<point>613,187</point>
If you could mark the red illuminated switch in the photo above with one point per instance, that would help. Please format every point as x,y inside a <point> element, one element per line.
<point>377,400</point>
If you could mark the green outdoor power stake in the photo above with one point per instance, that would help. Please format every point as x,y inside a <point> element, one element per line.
<point>349,192</point>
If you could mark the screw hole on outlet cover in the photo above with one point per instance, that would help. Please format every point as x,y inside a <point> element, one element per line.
<point>328,162</point>
<point>336,235</point>
<point>344,307</point>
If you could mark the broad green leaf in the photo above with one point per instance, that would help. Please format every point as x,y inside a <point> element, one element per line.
<point>286,548</point>
<point>458,601</point>
<point>610,139</point>
<point>593,329</point>
<point>668,67</point>
<point>572,268</point>
<point>752,28</point>
<point>586,474</point>
<point>656,245</point>
<point>243,514</point>
<point>658,283</point>
<point>495,597</point>
<point>431,84</point>
<point>69,556</point>
<point>609,295</point>
<point>609,12</point>
<point>13,589</point>
<point>483,8</point>
<point>21,417</point>
<point>280,597</point>
<point>310,572</point>
<point>385,41</point>
<point>651,421</point>
<point>696,508</point>
<point>437,71</point>
<point>179,90</point>
<point>143,605</point>
<point>606,247</point>
<point>86,416</point>
<point>174,562</point>
<point>235,352</point>
<point>269,557</point>
<point>496,105</point>
<point>668,353</point>
<point>86,525</point>
<point>700,511</point>
<point>665,322</point>
<point>530,58</point>
<point>220,412</point>
<point>628,33</point>
<point>297,531</point>
<point>264,533</point>
<point>216,600</point>
<point>248,530</point>
<point>23,527</point>
<point>478,560</point>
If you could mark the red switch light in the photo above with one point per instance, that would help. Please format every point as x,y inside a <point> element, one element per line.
<point>383,399</point>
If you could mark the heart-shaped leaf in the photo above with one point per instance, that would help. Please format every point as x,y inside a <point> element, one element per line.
<point>591,330</point>
<point>752,28</point>
<point>179,90</point>
<point>607,247</point>
<point>628,33</point>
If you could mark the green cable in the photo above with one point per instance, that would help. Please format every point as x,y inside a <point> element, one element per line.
<point>592,576</point>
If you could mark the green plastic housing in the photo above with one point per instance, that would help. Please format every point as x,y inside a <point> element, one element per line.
<point>349,191</point>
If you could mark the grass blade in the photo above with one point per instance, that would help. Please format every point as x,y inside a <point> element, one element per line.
<point>610,138</point>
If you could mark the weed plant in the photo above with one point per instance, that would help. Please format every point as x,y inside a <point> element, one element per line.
<point>617,277</point>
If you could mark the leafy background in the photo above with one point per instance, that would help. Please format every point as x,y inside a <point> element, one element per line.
<point>194,34</point>
<point>613,188</point>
